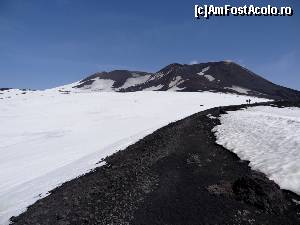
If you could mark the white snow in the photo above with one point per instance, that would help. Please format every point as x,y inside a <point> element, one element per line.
<point>174,81</point>
<point>12,92</point>
<point>67,87</point>
<point>269,138</point>
<point>207,76</point>
<point>100,85</point>
<point>135,75</point>
<point>154,88</point>
<point>105,85</point>
<point>238,89</point>
<point>156,76</point>
<point>296,201</point>
<point>211,117</point>
<point>47,138</point>
<point>176,88</point>
<point>173,85</point>
<point>130,82</point>
<point>228,61</point>
<point>203,71</point>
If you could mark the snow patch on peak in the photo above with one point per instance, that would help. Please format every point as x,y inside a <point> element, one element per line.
<point>100,85</point>
<point>175,88</point>
<point>175,81</point>
<point>238,89</point>
<point>154,88</point>
<point>207,76</point>
<point>159,75</point>
<point>173,85</point>
<point>203,71</point>
<point>130,82</point>
<point>228,61</point>
<point>156,76</point>
<point>135,75</point>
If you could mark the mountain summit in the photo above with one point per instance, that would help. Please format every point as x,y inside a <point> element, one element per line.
<point>222,76</point>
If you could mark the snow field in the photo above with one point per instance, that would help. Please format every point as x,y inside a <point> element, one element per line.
<point>48,138</point>
<point>269,137</point>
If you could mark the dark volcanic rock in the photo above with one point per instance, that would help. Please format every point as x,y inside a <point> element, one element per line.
<point>260,192</point>
<point>177,175</point>
<point>4,89</point>
<point>221,76</point>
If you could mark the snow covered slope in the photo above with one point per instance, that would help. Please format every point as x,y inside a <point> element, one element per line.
<point>49,137</point>
<point>116,80</point>
<point>269,137</point>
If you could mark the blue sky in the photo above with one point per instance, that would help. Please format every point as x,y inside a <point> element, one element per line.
<point>45,43</point>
